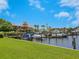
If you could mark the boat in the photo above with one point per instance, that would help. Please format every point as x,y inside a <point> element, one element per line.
<point>38,36</point>
<point>59,35</point>
<point>26,36</point>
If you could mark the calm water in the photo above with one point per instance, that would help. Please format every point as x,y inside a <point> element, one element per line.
<point>63,42</point>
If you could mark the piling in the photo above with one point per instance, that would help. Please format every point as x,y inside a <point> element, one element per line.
<point>74,43</point>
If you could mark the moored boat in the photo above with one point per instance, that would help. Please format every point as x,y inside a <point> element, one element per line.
<point>59,35</point>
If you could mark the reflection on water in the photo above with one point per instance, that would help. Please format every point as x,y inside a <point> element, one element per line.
<point>63,42</point>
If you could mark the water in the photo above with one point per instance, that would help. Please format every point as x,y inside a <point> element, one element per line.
<point>62,42</point>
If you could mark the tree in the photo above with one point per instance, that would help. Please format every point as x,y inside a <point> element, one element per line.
<point>43,27</point>
<point>2,21</point>
<point>36,27</point>
<point>5,25</point>
<point>69,29</point>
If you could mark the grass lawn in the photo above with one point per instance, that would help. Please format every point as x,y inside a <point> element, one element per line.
<point>19,49</point>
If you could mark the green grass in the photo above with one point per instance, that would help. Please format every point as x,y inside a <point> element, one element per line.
<point>19,49</point>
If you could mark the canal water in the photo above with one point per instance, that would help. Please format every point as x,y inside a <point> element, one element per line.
<point>62,42</point>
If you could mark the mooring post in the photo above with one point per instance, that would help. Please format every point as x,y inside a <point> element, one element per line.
<point>56,35</point>
<point>31,38</point>
<point>56,38</point>
<point>62,36</point>
<point>49,39</point>
<point>74,43</point>
<point>41,38</point>
<point>46,36</point>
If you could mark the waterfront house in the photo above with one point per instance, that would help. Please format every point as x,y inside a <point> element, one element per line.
<point>24,27</point>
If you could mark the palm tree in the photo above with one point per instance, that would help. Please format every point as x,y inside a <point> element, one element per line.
<point>43,27</point>
<point>36,27</point>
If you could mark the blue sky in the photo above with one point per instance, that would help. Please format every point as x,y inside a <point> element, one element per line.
<point>55,13</point>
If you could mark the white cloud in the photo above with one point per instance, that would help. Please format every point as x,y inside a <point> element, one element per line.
<point>3,5</point>
<point>74,4</point>
<point>7,13</point>
<point>77,14</point>
<point>76,22</point>
<point>70,3</point>
<point>62,14</point>
<point>36,3</point>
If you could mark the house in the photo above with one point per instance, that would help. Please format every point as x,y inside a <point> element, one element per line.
<point>23,27</point>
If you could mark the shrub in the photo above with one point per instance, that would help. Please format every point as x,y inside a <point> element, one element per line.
<point>1,35</point>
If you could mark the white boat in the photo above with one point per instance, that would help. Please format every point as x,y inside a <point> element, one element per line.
<point>38,35</point>
<point>58,35</point>
<point>26,36</point>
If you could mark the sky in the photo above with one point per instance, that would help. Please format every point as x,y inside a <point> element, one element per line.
<point>55,13</point>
